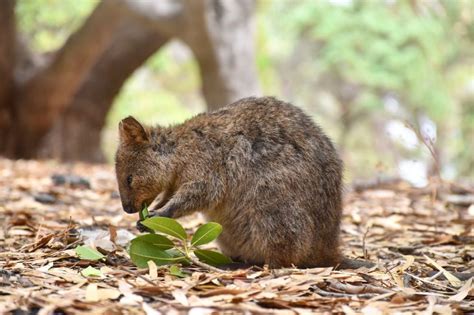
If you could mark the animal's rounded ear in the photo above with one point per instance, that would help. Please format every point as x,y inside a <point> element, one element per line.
<point>131,131</point>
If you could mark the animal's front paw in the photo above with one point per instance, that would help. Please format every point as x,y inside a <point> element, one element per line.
<point>164,212</point>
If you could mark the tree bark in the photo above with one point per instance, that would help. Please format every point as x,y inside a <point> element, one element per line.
<point>7,63</point>
<point>80,81</point>
<point>76,135</point>
<point>219,32</point>
<point>44,97</point>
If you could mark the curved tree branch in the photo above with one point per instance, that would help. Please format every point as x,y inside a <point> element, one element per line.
<point>43,98</point>
<point>220,35</point>
<point>219,32</point>
<point>7,62</point>
<point>231,25</point>
<point>165,15</point>
<point>80,81</point>
<point>76,135</point>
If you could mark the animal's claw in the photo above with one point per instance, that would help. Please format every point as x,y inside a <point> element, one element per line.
<point>142,228</point>
<point>166,211</point>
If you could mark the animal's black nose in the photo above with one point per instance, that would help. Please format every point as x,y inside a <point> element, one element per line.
<point>128,208</point>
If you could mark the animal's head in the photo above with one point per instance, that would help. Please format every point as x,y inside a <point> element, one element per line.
<point>142,164</point>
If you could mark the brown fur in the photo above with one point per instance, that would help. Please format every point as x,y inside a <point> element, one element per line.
<point>260,167</point>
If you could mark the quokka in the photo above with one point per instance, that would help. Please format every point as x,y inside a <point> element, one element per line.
<point>260,167</point>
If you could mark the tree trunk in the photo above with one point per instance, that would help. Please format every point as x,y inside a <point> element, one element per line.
<point>60,106</point>
<point>7,63</point>
<point>76,135</point>
<point>219,33</point>
<point>44,97</point>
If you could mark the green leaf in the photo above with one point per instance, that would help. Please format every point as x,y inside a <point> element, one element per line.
<point>211,257</point>
<point>88,253</point>
<point>176,271</point>
<point>141,251</point>
<point>206,233</point>
<point>177,254</point>
<point>144,213</point>
<point>160,241</point>
<point>167,226</point>
<point>91,272</point>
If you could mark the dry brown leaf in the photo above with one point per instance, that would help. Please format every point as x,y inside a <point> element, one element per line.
<point>113,233</point>
<point>451,278</point>
<point>105,294</point>
<point>152,269</point>
<point>180,297</point>
<point>407,223</point>
<point>348,311</point>
<point>463,291</point>
<point>221,291</point>
<point>150,310</point>
<point>92,294</point>
<point>409,260</point>
<point>398,299</point>
<point>46,268</point>
<point>129,298</point>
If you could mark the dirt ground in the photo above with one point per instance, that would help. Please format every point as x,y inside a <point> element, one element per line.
<point>421,240</point>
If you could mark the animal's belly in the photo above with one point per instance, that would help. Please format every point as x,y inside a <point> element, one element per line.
<point>241,251</point>
<point>236,242</point>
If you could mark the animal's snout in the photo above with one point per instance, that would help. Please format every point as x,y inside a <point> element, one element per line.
<point>129,208</point>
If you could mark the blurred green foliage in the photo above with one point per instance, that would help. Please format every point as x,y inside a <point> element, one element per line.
<point>343,61</point>
<point>382,48</point>
<point>419,53</point>
<point>48,23</point>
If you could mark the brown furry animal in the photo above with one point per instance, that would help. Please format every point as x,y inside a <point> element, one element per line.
<point>260,167</point>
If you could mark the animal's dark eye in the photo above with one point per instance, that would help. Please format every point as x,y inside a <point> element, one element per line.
<point>129,180</point>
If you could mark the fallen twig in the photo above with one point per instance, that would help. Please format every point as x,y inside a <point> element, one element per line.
<point>460,200</point>
<point>204,265</point>
<point>357,289</point>
<point>343,295</point>
<point>136,274</point>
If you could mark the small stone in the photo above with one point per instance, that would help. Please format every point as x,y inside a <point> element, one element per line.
<point>72,180</point>
<point>114,195</point>
<point>45,198</point>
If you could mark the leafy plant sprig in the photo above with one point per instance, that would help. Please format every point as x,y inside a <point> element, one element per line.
<point>162,251</point>
<point>89,253</point>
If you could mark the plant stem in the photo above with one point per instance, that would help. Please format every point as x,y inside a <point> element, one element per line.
<point>196,261</point>
<point>186,248</point>
<point>204,265</point>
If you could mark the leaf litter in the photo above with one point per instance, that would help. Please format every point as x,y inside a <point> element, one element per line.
<point>421,240</point>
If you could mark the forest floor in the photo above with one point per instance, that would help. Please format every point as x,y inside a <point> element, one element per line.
<point>421,240</point>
